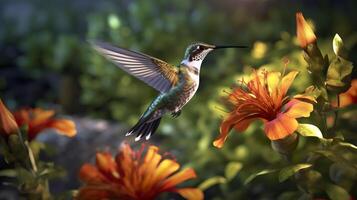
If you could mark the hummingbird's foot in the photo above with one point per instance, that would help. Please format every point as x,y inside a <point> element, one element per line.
<point>176,114</point>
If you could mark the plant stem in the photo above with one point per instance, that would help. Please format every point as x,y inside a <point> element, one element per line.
<point>336,111</point>
<point>31,157</point>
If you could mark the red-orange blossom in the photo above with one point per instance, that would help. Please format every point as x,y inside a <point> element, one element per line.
<point>264,97</point>
<point>38,119</point>
<point>134,176</point>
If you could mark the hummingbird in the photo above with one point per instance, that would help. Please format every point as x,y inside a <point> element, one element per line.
<point>176,84</point>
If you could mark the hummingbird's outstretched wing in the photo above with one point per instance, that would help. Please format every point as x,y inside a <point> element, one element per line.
<point>154,72</point>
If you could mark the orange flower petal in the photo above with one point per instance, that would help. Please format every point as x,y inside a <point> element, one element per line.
<point>190,193</point>
<point>305,34</point>
<point>296,108</point>
<point>280,127</point>
<point>239,122</point>
<point>165,169</point>
<point>151,161</point>
<point>22,117</point>
<point>345,100</point>
<point>178,178</point>
<point>63,127</point>
<point>90,174</point>
<point>350,96</point>
<point>93,193</point>
<point>8,124</point>
<point>286,82</point>
<point>243,125</point>
<point>353,88</point>
<point>107,164</point>
<point>225,127</point>
<point>40,116</point>
<point>139,178</point>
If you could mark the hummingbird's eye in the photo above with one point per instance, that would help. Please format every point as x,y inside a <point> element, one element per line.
<point>198,47</point>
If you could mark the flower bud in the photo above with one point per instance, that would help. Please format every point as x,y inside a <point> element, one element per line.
<point>304,32</point>
<point>8,124</point>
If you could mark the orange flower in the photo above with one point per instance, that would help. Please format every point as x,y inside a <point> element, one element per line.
<point>350,96</point>
<point>38,119</point>
<point>132,176</point>
<point>305,34</point>
<point>7,121</point>
<point>264,97</point>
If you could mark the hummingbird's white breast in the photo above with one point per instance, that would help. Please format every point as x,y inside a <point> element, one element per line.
<point>193,63</point>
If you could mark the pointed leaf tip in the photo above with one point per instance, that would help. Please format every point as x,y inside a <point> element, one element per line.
<point>263,172</point>
<point>309,130</point>
<point>287,172</point>
<point>338,46</point>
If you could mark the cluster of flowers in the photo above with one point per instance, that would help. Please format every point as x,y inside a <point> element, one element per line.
<point>145,174</point>
<point>131,175</point>
<point>264,97</point>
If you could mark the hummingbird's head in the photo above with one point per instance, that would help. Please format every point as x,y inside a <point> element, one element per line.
<point>195,53</point>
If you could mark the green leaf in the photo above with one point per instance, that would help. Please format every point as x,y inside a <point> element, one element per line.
<point>340,173</point>
<point>311,91</point>
<point>5,151</point>
<point>338,75</point>
<point>338,46</point>
<point>263,172</point>
<point>232,169</point>
<point>291,170</point>
<point>336,192</point>
<point>309,130</point>
<point>8,173</point>
<point>346,144</point>
<point>289,195</point>
<point>212,181</point>
<point>36,147</point>
<point>336,157</point>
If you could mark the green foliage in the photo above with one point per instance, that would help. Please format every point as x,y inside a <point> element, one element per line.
<point>289,171</point>
<point>320,164</point>
<point>232,169</point>
<point>309,130</point>
<point>263,172</point>
<point>336,192</point>
<point>31,174</point>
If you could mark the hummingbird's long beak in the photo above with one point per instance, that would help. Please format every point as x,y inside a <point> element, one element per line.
<point>229,46</point>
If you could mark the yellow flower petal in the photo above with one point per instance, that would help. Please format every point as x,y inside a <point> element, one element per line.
<point>178,178</point>
<point>286,82</point>
<point>280,127</point>
<point>151,161</point>
<point>106,164</point>
<point>273,79</point>
<point>165,169</point>
<point>190,193</point>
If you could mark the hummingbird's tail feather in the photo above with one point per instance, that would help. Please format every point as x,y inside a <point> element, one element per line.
<point>144,128</point>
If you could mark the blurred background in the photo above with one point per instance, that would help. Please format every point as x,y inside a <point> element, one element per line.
<point>47,62</point>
